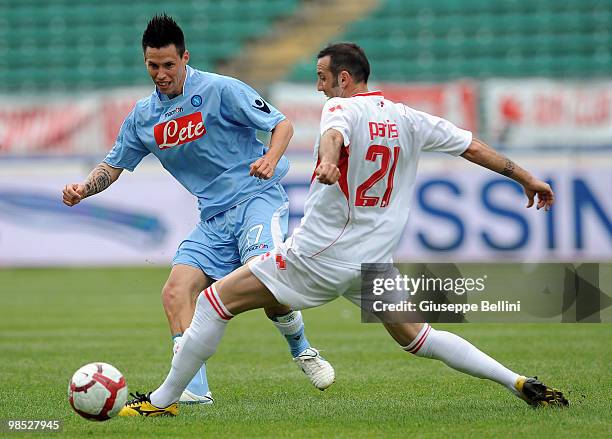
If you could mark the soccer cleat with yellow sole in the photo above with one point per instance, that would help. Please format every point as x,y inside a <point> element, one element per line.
<point>537,394</point>
<point>141,406</point>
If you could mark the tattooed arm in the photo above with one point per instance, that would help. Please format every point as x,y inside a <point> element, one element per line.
<point>101,177</point>
<point>482,154</point>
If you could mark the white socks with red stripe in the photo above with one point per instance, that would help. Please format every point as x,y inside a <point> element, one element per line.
<point>461,355</point>
<point>197,345</point>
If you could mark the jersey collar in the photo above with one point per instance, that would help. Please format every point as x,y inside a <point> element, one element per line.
<point>370,93</point>
<point>164,99</point>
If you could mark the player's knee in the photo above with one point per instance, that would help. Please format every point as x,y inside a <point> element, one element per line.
<point>173,294</point>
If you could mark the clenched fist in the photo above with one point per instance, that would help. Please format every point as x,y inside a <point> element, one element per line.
<point>262,168</point>
<point>327,173</point>
<point>73,193</point>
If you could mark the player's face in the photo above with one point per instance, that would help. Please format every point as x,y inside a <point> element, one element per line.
<point>326,81</point>
<point>167,68</point>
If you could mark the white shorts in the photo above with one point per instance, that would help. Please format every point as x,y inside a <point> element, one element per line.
<point>302,282</point>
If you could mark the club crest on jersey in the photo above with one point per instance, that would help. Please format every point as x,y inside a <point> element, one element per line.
<point>196,100</point>
<point>334,108</point>
<point>179,131</point>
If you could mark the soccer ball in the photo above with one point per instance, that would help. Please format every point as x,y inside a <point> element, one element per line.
<point>97,391</point>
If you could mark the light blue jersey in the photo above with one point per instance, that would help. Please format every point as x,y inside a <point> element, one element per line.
<point>205,138</point>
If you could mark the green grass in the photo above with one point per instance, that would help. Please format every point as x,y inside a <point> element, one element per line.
<point>54,321</point>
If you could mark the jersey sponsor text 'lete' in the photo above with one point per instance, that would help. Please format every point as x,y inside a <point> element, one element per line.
<point>179,131</point>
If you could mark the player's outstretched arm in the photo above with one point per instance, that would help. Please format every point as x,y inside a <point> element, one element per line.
<point>482,154</point>
<point>281,135</point>
<point>329,153</point>
<point>101,177</point>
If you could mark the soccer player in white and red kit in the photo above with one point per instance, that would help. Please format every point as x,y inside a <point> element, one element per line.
<point>356,210</point>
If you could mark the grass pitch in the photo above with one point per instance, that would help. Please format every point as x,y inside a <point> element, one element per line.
<point>52,321</point>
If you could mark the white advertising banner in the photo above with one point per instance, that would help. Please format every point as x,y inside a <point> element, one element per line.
<point>516,113</point>
<point>65,124</point>
<point>459,213</point>
<point>472,214</point>
<point>303,104</point>
<point>547,113</point>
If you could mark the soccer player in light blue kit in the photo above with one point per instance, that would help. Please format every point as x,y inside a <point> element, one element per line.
<point>202,128</point>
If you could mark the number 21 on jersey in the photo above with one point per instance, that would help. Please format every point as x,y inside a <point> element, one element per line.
<point>388,164</point>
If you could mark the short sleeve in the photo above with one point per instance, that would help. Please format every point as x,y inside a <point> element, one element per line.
<point>128,150</point>
<point>336,116</point>
<point>436,134</point>
<point>243,106</point>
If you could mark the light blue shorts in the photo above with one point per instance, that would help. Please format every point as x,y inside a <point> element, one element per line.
<point>226,241</point>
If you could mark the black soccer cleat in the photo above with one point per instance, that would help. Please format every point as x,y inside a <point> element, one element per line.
<point>537,394</point>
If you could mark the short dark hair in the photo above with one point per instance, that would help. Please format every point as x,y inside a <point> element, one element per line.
<point>349,57</point>
<point>162,31</point>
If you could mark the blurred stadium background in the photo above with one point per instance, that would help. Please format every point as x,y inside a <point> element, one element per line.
<point>531,77</point>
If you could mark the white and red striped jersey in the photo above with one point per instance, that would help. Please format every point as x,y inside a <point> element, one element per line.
<point>361,218</point>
